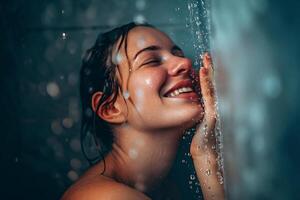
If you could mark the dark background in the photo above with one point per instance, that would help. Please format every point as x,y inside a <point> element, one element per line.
<point>41,47</point>
<point>42,43</point>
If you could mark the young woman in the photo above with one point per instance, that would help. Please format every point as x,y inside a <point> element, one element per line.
<point>141,90</point>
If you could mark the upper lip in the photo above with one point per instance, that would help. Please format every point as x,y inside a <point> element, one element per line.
<point>180,84</point>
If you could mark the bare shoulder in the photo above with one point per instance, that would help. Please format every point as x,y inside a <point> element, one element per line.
<point>98,188</point>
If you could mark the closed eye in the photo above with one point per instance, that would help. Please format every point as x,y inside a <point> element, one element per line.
<point>152,62</point>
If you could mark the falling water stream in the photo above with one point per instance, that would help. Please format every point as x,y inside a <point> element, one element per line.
<point>199,23</point>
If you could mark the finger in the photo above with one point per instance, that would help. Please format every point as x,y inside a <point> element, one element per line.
<point>207,63</point>
<point>207,87</point>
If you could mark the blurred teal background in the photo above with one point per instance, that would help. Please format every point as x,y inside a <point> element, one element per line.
<point>255,45</point>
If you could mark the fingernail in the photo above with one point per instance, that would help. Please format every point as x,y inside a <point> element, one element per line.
<point>208,56</point>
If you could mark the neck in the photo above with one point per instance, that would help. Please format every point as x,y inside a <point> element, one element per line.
<point>143,160</point>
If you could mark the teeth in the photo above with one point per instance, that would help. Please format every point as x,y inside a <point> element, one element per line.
<point>180,90</point>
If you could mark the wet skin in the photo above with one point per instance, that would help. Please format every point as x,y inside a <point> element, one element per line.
<point>159,105</point>
<point>156,64</point>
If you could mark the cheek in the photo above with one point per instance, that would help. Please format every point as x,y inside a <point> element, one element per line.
<point>147,81</point>
<point>145,85</point>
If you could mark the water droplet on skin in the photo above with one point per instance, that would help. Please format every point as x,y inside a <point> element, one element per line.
<point>208,172</point>
<point>126,95</point>
<point>141,42</point>
<point>164,58</point>
<point>133,154</point>
<point>220,178</point>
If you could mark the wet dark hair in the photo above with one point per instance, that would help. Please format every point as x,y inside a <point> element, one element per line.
<point>98,73</point>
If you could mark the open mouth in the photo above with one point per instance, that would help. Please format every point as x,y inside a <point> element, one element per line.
<point>182,89</point>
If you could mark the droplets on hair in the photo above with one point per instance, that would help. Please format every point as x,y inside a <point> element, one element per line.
<point>117,58</point>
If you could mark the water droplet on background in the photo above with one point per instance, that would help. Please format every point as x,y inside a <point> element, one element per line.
<point>64,36</point>
<point>53,89</point>
<point>75,163</point>
<point>75,145</point>
<point>72,175</point>
<point>67,122</point>
<point>140,5</point>
<point>56,127</point>
<point>192,177</point>
<point>139,19</point>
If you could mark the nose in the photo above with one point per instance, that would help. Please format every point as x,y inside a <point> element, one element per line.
<point>180,66</point>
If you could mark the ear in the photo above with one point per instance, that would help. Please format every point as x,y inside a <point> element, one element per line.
<point>112,113</point>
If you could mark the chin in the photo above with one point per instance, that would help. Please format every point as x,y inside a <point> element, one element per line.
<point>189,118</point>
<point>195,120</point>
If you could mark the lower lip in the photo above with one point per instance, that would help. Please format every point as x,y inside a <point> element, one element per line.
<point>190,96</point>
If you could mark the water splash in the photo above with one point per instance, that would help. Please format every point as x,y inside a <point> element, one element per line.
<point>199,24</point>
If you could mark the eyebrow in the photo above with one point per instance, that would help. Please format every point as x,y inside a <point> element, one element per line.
<point>155,48</point>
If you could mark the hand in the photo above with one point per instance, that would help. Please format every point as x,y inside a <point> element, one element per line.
<point>203,147</point>
<point>204,140</point>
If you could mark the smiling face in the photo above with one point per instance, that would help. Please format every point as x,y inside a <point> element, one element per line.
<point>155,77</point>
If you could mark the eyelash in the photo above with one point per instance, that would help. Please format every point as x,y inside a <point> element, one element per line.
<point>158,60</point>
<point>179,54</point>
<point>152,61</point>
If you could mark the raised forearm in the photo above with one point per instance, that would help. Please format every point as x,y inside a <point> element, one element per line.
<point>209,176</point>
